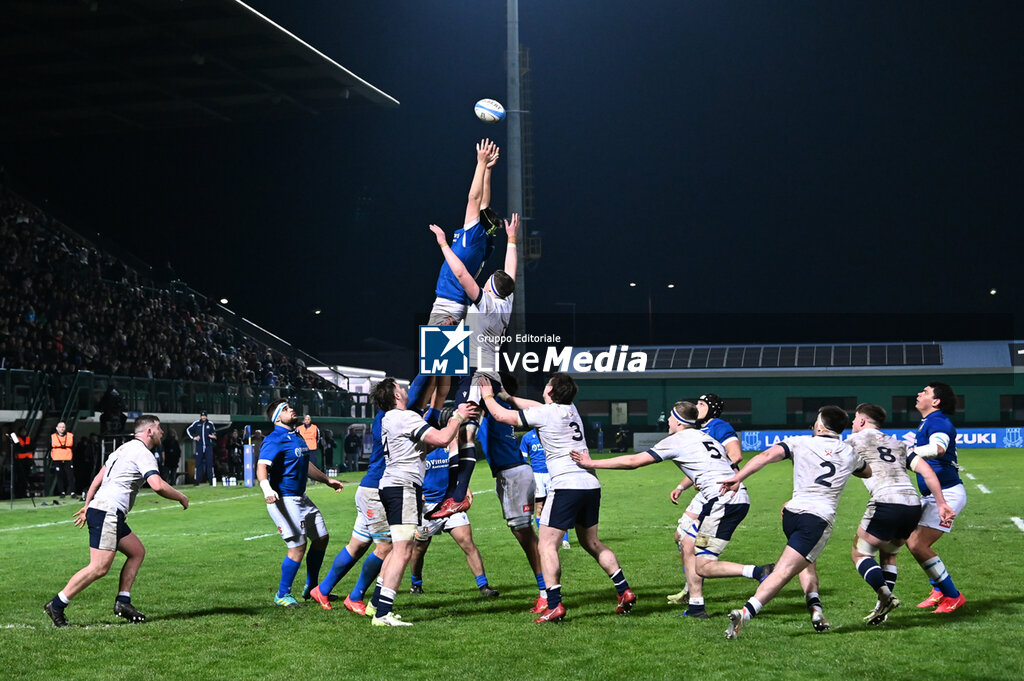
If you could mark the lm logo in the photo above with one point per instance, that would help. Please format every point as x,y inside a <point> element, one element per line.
<point>444,350</point>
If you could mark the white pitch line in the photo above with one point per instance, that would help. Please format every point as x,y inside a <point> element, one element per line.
<point>969,476</point>
<point>1019,522</point>
<point>261,536</point>
<point>134,513</point>
<point>984,490</point>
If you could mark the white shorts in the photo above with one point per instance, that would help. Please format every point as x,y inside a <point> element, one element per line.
<point>297,517</point>
<point>431,527</point>
<point>956,497</point>
<point>542,481</point>
<point>442,308</point>
<point>371,521</point>
<point>516,490</point>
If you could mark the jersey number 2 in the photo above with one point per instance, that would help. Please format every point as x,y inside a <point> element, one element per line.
<point>830,471</point>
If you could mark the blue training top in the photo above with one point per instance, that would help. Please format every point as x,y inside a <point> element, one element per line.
<point>287,455</point>
<point>499,443</point>
<point>944,466</point>
<point>531,448</point>
<point>473,246</point>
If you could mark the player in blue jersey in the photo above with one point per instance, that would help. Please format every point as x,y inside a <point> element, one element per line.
<point>282,470</point>
<point>473,244</point>
<point>709,411</point>
<point>488,315</point>
<point>936,443</point>
<point>514,484</point>
<point>435,483</point>
<point>533,451</point>
<point>371,525</point>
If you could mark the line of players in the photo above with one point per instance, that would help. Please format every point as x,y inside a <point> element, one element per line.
<point>409,426</point>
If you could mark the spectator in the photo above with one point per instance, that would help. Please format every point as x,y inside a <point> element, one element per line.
<point>24,461</point>
<point>172,456</point>
<point>353,447</point>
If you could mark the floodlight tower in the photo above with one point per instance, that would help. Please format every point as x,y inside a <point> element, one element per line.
<point>515,158</point>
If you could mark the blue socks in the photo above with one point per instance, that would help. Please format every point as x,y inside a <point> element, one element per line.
<point>540,582</point>
<point>289,568</point>
<point>940,579</point>
<point>620,582</point>
<point>367,576</point>
<point>481,580</point>
<point>314,561</point>
<point>343,562</point>
<point>467,461</point>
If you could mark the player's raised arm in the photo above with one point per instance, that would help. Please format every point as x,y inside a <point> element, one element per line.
<point>770,455</point>
<point>484,149</point>
<point>499,413</point>
<point>511,255</point>
<point>492,160</point>
<point>442,437</point>
<point>625,462</point>
<point>466,280</point>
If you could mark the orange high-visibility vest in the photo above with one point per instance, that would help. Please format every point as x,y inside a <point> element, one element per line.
<point>25,442</point>
<point>60,447</point>
<point>310,434</point>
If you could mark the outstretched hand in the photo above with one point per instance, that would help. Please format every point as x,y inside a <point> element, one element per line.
<point>442,240</point>
<point>485,148</point>
<point>79,516</point>
<point>492,160</point>
<point>582,459</point>
<point>512,227</point>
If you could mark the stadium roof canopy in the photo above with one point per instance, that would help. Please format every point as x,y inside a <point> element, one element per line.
<point>98,66</point>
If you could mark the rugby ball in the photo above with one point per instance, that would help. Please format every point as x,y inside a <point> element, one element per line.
<point>489,111</point>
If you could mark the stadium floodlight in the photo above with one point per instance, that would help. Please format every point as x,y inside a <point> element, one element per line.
<point>223,301</point>
<point>992,292</point>
<point>317,311</point>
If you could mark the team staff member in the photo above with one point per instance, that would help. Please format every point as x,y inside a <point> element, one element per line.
<point>24,457</point>
<point>61,444</point>
<point>205,435</point>
<point>311,434</point>
<point>111,496</point>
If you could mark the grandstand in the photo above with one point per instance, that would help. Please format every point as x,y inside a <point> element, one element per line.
<point>89,334</point>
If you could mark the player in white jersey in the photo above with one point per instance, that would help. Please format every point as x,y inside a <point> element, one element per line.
<point>709,411</point>
<point>822,463</point>
<point>111,496</point>
<point>703,461</point>
<point>895,506</point>
<point>489,312</point>
<point>575,497</point>
<point>407,439</point>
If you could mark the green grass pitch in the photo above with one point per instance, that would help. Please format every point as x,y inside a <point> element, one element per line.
<point>207,591</point>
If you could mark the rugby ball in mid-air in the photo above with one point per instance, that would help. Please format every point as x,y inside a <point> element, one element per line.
<point>489,111</point>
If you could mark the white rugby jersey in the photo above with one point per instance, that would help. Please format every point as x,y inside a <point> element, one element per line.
<point>400,433</point>
<point>821,467</point>
<point>487,319</point>
<point>887,456</point>
<point>560,429</point>
<point>126,468</point>
<point>702,459</point>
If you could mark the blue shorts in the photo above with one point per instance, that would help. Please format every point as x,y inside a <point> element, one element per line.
<point>806,533</point>
<point>106,528</point>
<point>566,508</point>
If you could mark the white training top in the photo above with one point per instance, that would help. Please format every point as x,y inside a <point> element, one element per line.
<point>702,459</point>
<point>126,468</point>
<point>887,456</point>
<point>821,467</point>
<point>487,319</point>
<point>561,430</point>
<point>400,433</point>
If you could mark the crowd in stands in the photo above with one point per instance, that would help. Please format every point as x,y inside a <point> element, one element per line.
<point>67,306</point>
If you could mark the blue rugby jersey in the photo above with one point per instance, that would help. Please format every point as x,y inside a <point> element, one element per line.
<point>499,443</point>
<point>719,430</point>
<point>286,454</point>
<point>944,466</point>
<point>435,480</point>
<point>530,447</point>
<point>472,245</point>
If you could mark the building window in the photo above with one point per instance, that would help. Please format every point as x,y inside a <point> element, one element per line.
<point>802,411</point>
<point>1011,409</point>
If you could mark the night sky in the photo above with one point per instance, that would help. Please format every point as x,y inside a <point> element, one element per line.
<point>810,158</point>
